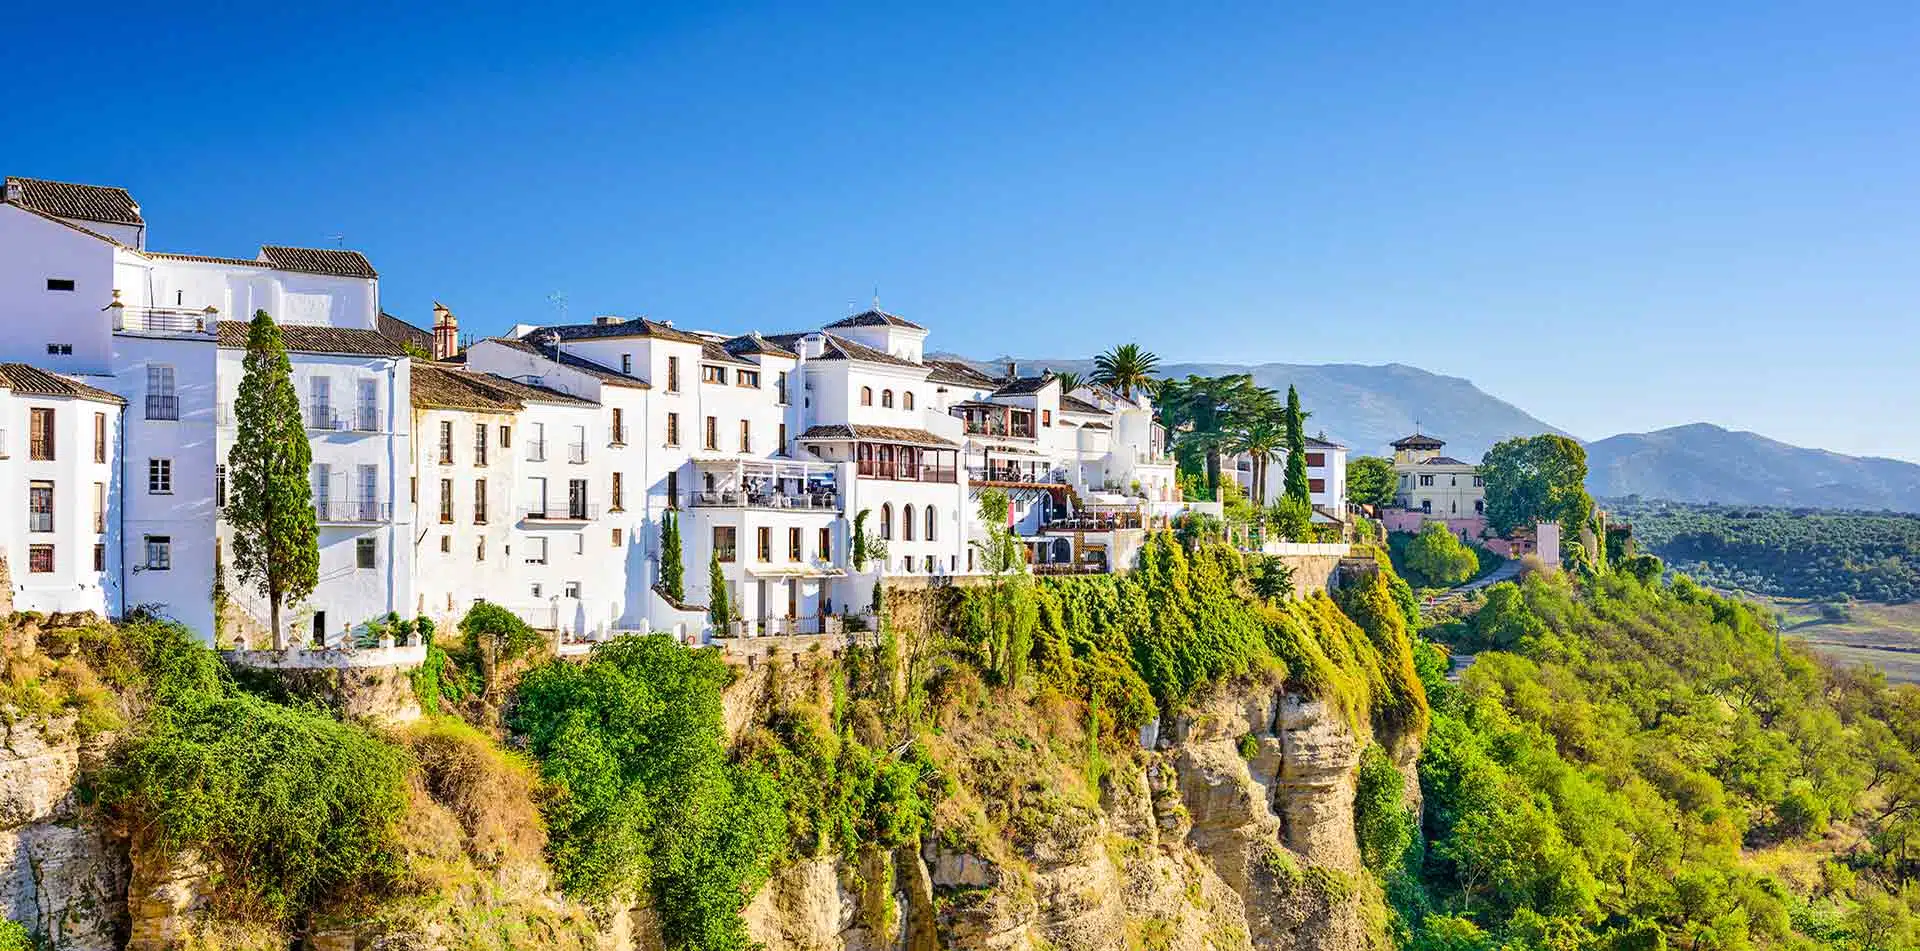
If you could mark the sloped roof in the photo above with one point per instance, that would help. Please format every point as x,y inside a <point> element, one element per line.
<point>712,351</point>
<point>101,203</point>
<point>301,338</point>
<point>1317,442</point>
<point>876,317</point>
<point>601,372</point>
<point>959,373</point>
<point>1024,385</point>
<point>401,332</point>
<point>62,222</point>
<point>1074,404</point>
<point>206,259</point>
<point>437,386</point>
<point>1444,461</point>
<point>900,434</point>
<point>836,347</point>
<point>1418,441</point>
<point>331,261</point>
<point>24,378</point>
<point>634,327</point>
<point>756,344</point>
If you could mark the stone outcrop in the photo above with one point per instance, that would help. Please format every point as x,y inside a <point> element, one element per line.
<point>62,874</point>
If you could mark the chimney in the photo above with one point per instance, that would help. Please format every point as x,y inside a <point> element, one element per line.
<point>1013,370</point>
<point>446,332</point>
<point>607,321</point>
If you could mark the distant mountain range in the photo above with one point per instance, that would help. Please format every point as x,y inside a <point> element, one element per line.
<point>1367,407</point>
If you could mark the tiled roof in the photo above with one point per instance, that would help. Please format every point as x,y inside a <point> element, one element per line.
<point>1024,385</point>
<point>443,387</point>
<point>1074,404</point>
<point>1444,461</point>
<point>876,318</point>
<point>1096,426</point>
<point>100,203</point>
<point>301,338</point>
<point>840,348</point>
<point>62,222</point>
<point>962,374</point>
<point>754,343</point>
<point>203,259</point>
<point>901,434</point>
<point>603,373</point>
<point>333,261</point>
<point>635,327</point>
<point>21,378</point>
<point>531,393</point>
<point>1319,442</point>
<point>1418,441</point>
<point>711,351</point>
<point>401,332</point>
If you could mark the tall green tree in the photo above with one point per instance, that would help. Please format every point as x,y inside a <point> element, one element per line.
<point>1262,436</point>
<point>719,608</point>
<point>1537,479</point>
<point>673,569</point>
<point>276,534</point>
<point>1296,421</point>
<point>1127,368</point>
<point>1436,558</point>
<point>1203,410</point>
<point>1371,481</point>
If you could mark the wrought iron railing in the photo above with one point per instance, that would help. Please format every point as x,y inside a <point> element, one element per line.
<point>566,512</point>
<point>358,510</point>
<point>163,407</point>
<point>821,501</point>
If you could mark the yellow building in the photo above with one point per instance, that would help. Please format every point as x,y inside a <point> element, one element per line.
<point>1436,485</point>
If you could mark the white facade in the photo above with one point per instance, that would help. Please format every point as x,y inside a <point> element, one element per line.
<point>1326,477</point>
<point>59,448</point>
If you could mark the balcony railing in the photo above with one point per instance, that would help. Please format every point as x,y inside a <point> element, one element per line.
<point>537,512</point>
<point>822,501</point>
<point>39,521</point>
<point>1066,568</point>
<point>905,472</point>
<point>352,510</point>
<point>577,452</point>
<point>323,417</point>
<point>996,427</point>
<point>1017,474</point>
<point>163,407</point>
<point>368,420</point>
<point>167,320</point>
<point>1106,522</point>
<point>536,450</point>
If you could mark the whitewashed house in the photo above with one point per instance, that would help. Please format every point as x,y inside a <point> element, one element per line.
<point>1326,477</point>
<point>59,472</point>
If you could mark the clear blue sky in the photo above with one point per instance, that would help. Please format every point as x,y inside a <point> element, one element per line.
<point>1617,219</point>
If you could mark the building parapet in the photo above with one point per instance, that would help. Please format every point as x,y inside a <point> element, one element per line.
<point>330,658</point>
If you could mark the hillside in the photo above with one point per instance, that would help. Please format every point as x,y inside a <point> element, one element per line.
<point>1705,463</point>
<point>1367,407</point>
<point>1872,556</point>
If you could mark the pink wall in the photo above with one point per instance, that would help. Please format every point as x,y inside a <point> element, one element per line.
<point>1410,520</point>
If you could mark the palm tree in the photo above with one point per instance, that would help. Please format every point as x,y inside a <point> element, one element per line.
<point>1263,436</point>
<point>1126,368</point>
<point>1203,410</point>
<point>1069,380</point>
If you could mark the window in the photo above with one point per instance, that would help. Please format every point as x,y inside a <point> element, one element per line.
<point>367,415</point>
<point>723,542</point>
<point>826,544</point>
<point>480,444</point>
<point>159,553</point>
<point>159,476</point>
<point>619,435</point>
<point>1426,506</point>
<point>446,544</point>
<point>537,448</point>
<point>40,507</point>
<point>365,552</point>
<point>794,545</point>
<point>571,590</point>
<point>713,374</point>
<point>322,488</point>
<point>40,434</point>
<point>480,549</point>
<point>764,536</point>
<point>782,448</point>
<point>99,437</point>
<point>1479,482</point>
<point>906,400</point>
<point>713,432</point>
<point>1316,460</point>
<point>906,523</point>
<point>929,535</point>
<point>536,591</point>
<point>322,408</point>
<point>536,553</point>
<point>506,437</point>
<point>1316,485</point>
<point>479,501</point>
<point>446,442</point>
<point>446,501</point>
<point>746,436</point>
<point>40,559</point>
<point>60,349</point>
<point>866,396</point>
<point>673,489</point>
<point>100,508</point>
<point>886,399</point>
<point>673,374</point>
<point>580,544</point>
<point>1426,479</point>
<point>616,538</point>
<point>626,363</point>
<point>1453,481</point>
<point>59,283</point>
<point>673,429</point>
<point>99,557</point>
<point>780,388</point>
<point>747,378</point>
<point>928,564</point>
<point>886,520</point>
<point>577,499</point>
<point>1479,506</point>
<point>1046,417</point>
<point>618,502</point>
<point>413,489</point>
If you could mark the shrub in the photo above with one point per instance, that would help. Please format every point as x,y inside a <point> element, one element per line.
<point>1382,824</point>
<point>14,936</point>
<point>499,631</point>
<point>1437,558</point>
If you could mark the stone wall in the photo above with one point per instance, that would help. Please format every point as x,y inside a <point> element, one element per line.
<point>382,694</point>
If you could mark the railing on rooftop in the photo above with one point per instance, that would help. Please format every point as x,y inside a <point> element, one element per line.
<point>165,320</point>
<point>1095,522</point>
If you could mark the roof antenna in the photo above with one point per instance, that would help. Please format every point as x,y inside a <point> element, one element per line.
<point>339,240</point>
<point>559,301</point>
<point>876,297</point>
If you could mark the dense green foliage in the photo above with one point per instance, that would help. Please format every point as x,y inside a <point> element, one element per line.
<point>14,936</point>
<point>1370,480</point>
<point>1128,368</point>
<point>719,602</point>
<point>1607,779</point>
<point>644,797</point>
<point>489,630</point>
<point>292,804</point>
<point>1800,553</point>
<point>1537,479</point>
<point>1435,557</point>
<point>276,534</point>
<point>1296,426</point>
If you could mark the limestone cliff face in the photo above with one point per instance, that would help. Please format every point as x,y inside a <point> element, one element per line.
<point>62,874</point>
<point>1193,845</point>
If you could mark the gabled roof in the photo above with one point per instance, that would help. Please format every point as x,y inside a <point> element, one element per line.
<point>302,338</point>
<point>437,386</point>
<point>1074,404</point>
<point>22,378</point>
<point>401,332</point>
<point>635,327</point>
<point>1023,386</point>
<point>207,259</point>
<point>836,347</point>
<point>1317,442</point>
<point>899,434</point>
<point>1418,441</point>
<point>1444,461</point>
<point>959,374</point>
<point>755,344</point>
<point>711,351</point>
<point>101,203</point>
<point>604,374</point>
<point>62,222</point>
<point>331,261</point>
<point>876,318</point>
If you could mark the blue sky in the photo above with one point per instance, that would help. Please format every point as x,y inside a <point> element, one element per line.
<point>1618,219</point>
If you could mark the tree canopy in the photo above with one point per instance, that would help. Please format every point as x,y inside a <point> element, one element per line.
<point>1370,481</point>
<point>276,533</point>
<point>1128,368</point>
<point>1537,479</point>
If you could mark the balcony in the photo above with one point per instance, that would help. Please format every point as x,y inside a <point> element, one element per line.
<point>352,511</point>
<point>536,450</point>
<point>998,427</point>
<point>322,417</point>
<point>1094,522</point>
<point>165,320</point>
<point>577,453</point>
<point>574,512</point>
<point>772,484</point>
<point>1019,474</point>
<point>905,471</point>
<point>163,407</point>
<point>827,500</point>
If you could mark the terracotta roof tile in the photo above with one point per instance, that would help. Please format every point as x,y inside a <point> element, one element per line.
<point>438,386</point>
<point>332,261</point>
<point>634,327</point>
<point>206,259</point>
<point>960,373</point>
<point>601,372</point>
<point>401,332</point>
<point>1074,404</point>
<point>1024,385</point>
<point>1418,441</point>
<point>876,318</point>
<point>756,344</point>
<point>101,203</point>
<point>900,434</point>
<point>302,338</point>
<point>22,378</point>
<point>62,222</point>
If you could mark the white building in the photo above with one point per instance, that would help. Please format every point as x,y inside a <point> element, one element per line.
<point>59,462</point>
<point>1326,477</point>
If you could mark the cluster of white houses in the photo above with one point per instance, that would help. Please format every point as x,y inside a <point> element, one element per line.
<point>534,470</point>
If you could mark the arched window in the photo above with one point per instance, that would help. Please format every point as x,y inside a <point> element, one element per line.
<point>866,396</point>
<point>906,400</point>
<point>886,520</point>
<point>886,399</point>
<point>929,535</point>
<point>906,523</point>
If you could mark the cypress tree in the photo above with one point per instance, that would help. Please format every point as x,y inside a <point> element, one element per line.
<point>276,536</point>
<point>1296,484</point>
<point>673,570</point>
<point>719,611</point>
